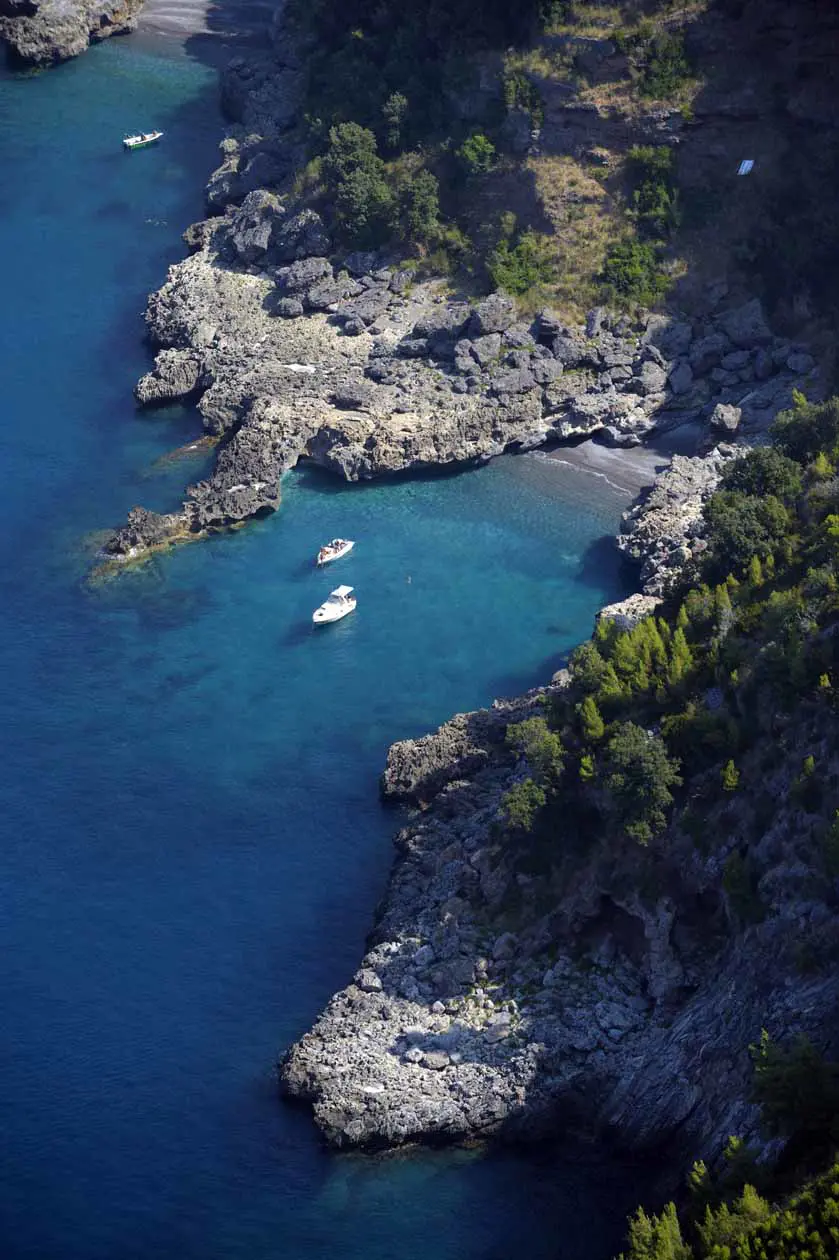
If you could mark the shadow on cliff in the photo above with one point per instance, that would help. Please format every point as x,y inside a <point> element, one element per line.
<point>770,81</point>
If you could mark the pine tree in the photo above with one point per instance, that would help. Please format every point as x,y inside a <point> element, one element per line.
<point>657,650</point>
<point>587,770</point>
<point>682,619</point>
<point>656,1237</point>
<point>624,655</point>
<point>681,658</point>
<point>611,687</point>
<point>592,723</point>
<point>641,677</point>
<point>730,777</point>
<point>755,572</point>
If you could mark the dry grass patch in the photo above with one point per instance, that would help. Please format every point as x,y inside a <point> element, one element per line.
<point>585,221</point>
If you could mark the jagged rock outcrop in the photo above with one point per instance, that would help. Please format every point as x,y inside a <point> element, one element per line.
<point>492,1003</point>
<point>664,530</point>
<point>348,362</point>
<point>45,31</point>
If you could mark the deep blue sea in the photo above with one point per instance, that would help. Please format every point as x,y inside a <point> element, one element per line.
<point>192,844</point>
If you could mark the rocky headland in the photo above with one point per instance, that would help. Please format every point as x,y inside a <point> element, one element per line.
<point>492,1002</point>
<point>353,363</point>
<point>42,32</point>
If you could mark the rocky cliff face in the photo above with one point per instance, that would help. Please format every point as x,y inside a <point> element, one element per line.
<point>42,32</point>
<point>616,997</point>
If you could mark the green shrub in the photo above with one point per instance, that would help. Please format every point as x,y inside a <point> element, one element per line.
<point>762,471</point>
<point>741,526</point>
<point>520,268</point>
<point>540,746</point>
<point>363,203</point>
<point>421,207</point>
<point>632,272</point>
<point>394,113</point>
<point>637,775</point>
<point>521,93</point>
<point>522,803</point>
<point>666,67</point>
<point>808,429</point>
<point>740,883</point>
<point>730,777</point>
<point>654,196</point>
<point>796,1088</point>
<point>477,155</point>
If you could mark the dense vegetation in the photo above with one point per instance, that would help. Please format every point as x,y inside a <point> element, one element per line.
<point>410,145</point>
<point>732,1216</point>
<point>747,638</point>
<point>384,132</point>
<point>664,723</point>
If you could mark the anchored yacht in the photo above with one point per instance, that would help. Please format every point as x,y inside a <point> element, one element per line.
<point>340,603</point>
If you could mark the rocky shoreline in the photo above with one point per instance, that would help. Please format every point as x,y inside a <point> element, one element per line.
<point>43,32</point>
<point>359,367</point>
<point>295,351</point>
<point>491,1002</point>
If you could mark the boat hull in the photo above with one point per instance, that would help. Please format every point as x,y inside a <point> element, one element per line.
<point>337,555</point>
<point>131,143</point>
<point>325,617</point>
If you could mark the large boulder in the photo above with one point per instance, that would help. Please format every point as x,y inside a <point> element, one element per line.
<point>300,276</point>
<point>494,315</point>
<point>671,336</point>
<point>302,235</point>
<point>252,226</point>
<point>707,353</point>
<point>725,419</point>
<point>176,374</point>
<point>746,325</point>
<point>680,379</point>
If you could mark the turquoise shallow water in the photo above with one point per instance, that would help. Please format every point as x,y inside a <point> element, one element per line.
<point>192,842</point>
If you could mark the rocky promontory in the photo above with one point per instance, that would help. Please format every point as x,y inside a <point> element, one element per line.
<point>41,32</point>
<point>612,1000</point>
<point>351,361</point>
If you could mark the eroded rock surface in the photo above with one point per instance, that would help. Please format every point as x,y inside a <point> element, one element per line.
<point>493,1003</point>
<point>45,31</point>
<point>349,362</point>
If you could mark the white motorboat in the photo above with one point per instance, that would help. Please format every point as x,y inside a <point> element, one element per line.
<point>141,141</point>
<point>334,550</point>
<point>340,603</point>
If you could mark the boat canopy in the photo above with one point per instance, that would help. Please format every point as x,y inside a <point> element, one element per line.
<point>341,592</point>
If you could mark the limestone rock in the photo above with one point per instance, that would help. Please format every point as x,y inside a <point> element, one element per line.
<point>707,353</point>
<point>626,613</point>
<point>746,325</point>
<point>680,379</point>
<point>725,419</point>
<point>671,336</point>
<point>43,32</point>
<point>666,527</point>
<point>176,374</point>
<point>493,315</point>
